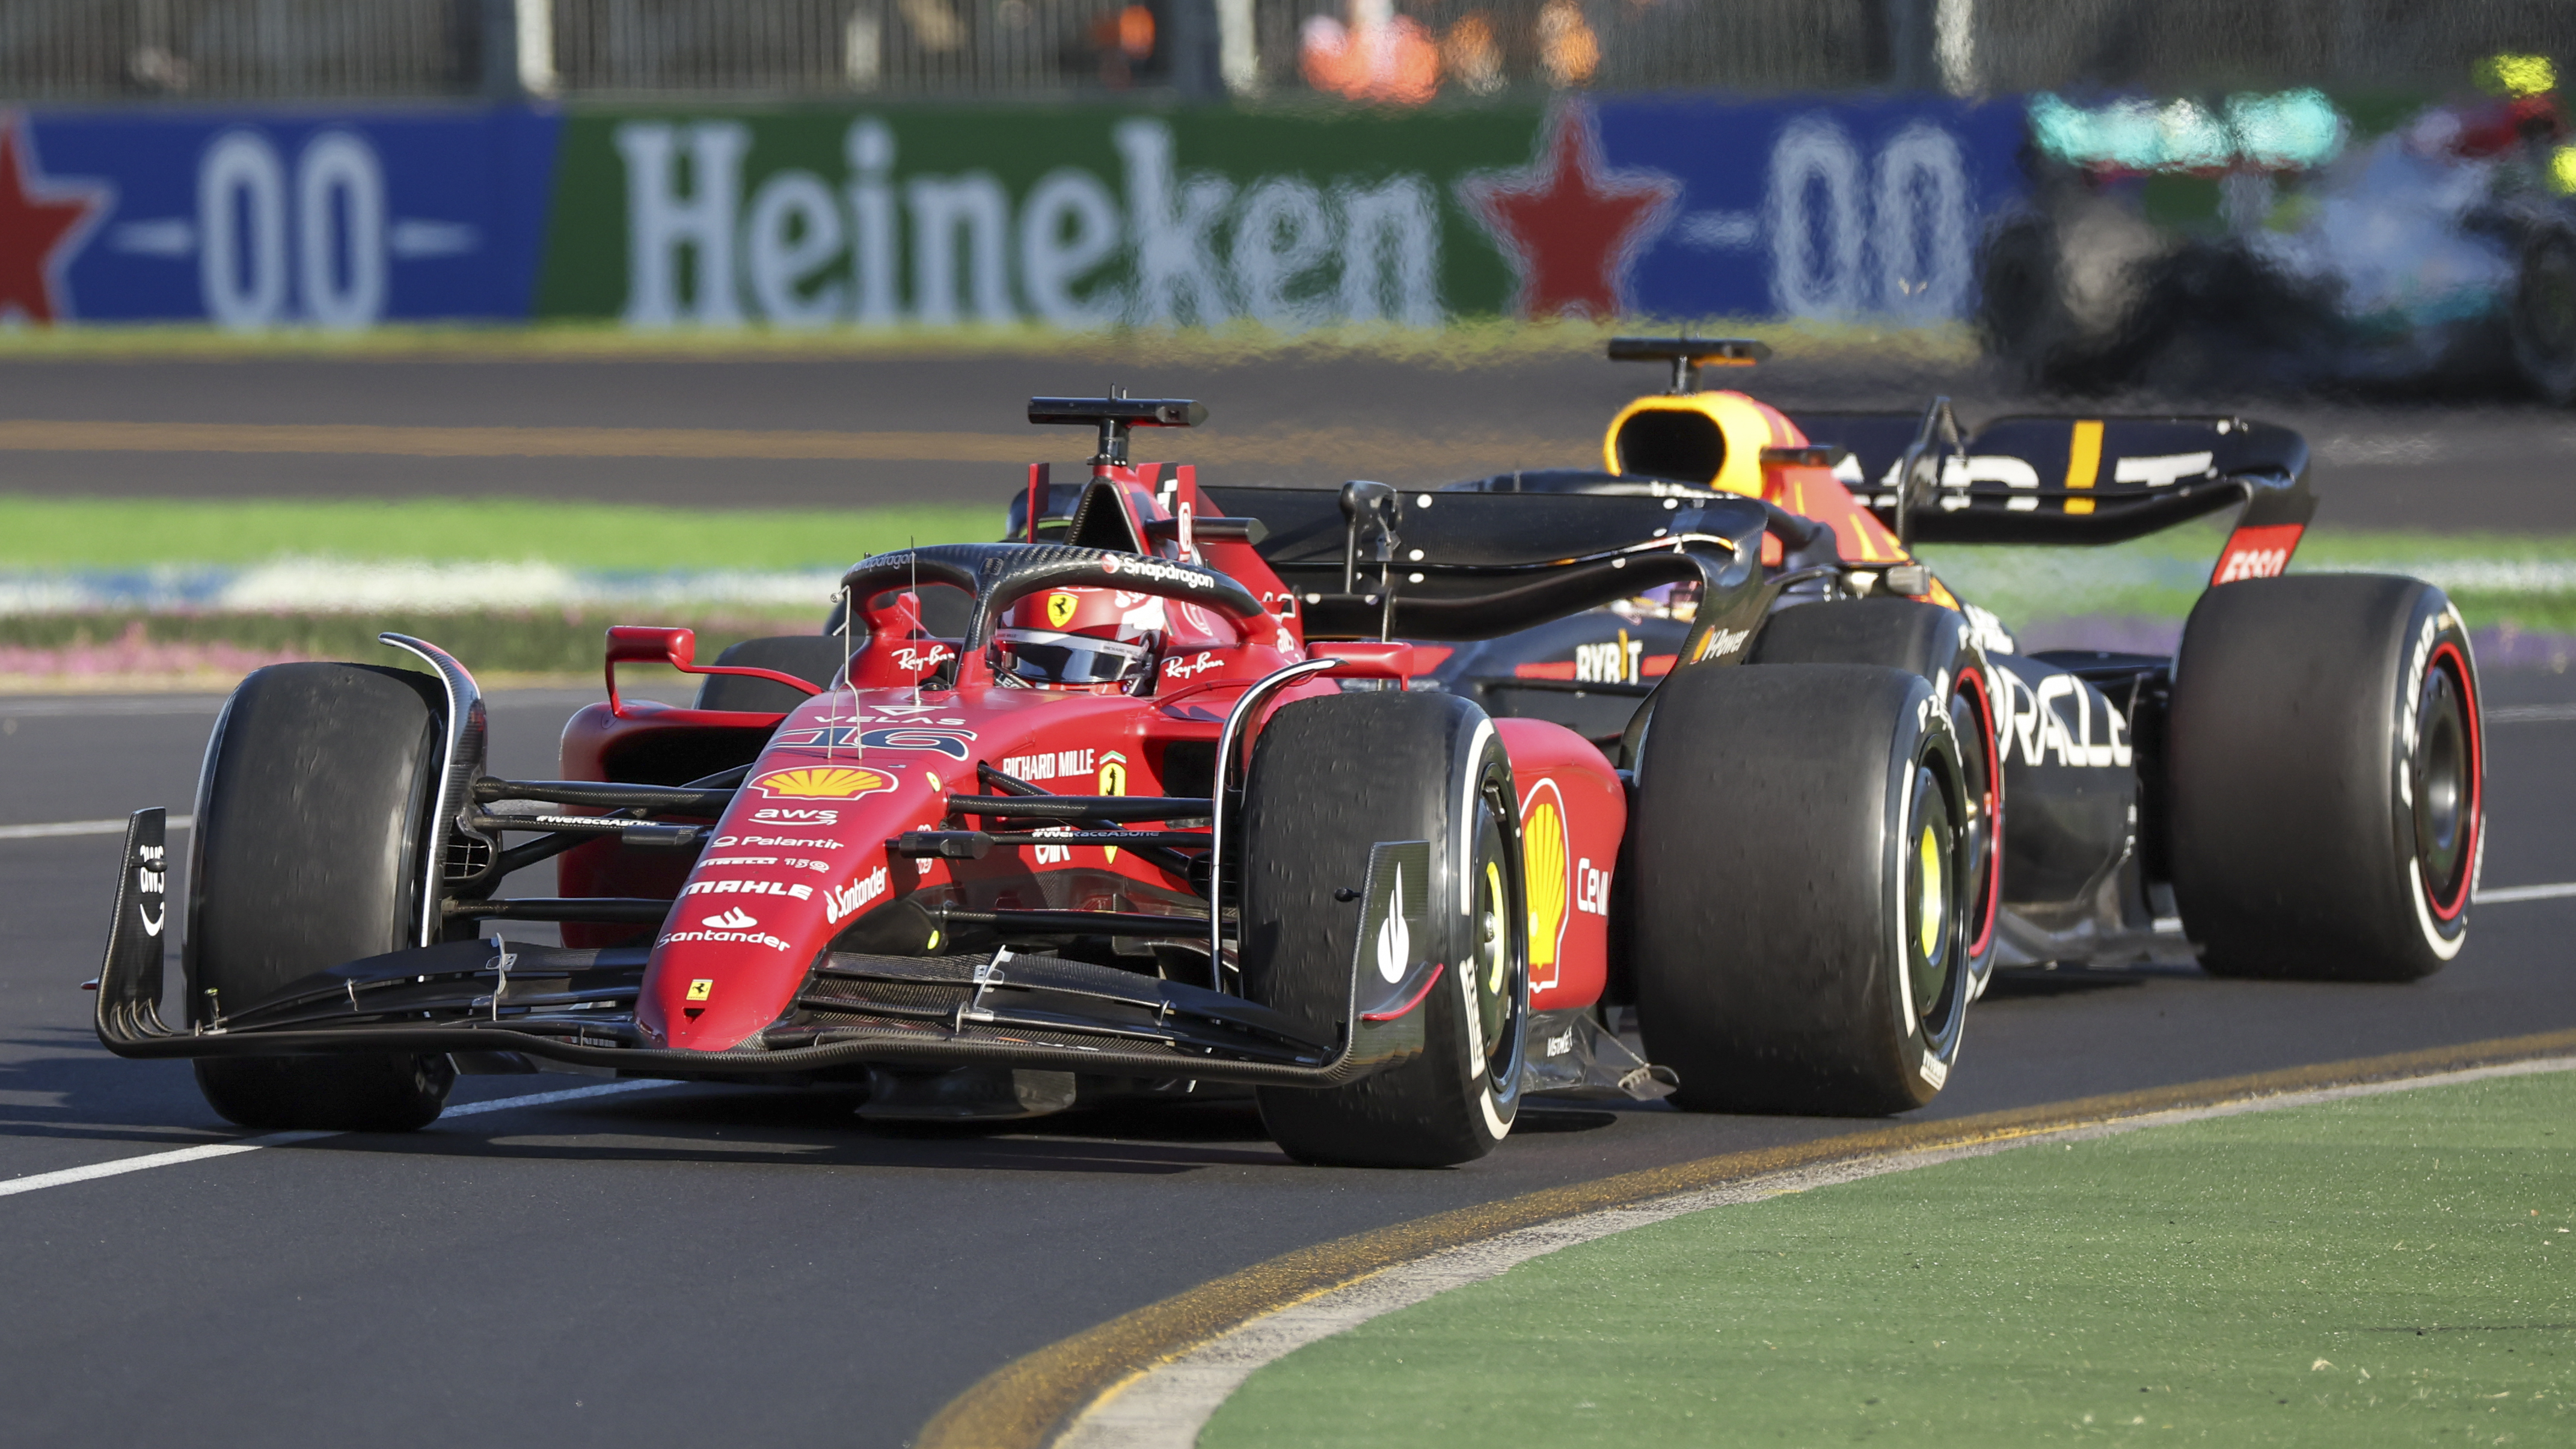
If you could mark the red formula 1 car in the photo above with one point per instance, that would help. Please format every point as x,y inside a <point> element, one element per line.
<point>1139,801</point>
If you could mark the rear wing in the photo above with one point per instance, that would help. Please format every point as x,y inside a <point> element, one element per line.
<point>2076,480</point>
<point>1369,559</point>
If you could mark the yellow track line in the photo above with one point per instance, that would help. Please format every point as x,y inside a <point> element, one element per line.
<point>1385,450</point>
<point>1025,1404</point>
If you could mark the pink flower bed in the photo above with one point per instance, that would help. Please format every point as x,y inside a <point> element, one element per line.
<point>132,653</point>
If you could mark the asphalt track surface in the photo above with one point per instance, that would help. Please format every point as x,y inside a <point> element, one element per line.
<point>723,1264</point>
<point>820,431</point>
<point>719,1264</point>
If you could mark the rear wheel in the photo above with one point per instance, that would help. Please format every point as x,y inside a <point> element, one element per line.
<point>312,823</point>
<point>1936,645</point>
<point>814,658</point>
<point>1799,923</point>
<point>1330,777</point>
<point>2327,773</point>
<point>2543,318</point>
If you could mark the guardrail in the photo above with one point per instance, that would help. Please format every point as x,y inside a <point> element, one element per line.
<point>1381,52</point>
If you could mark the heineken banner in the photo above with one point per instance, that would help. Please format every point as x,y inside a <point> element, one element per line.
<point>1677,208</point>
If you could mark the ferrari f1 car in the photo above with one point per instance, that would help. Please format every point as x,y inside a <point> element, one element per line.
<point>1187,784</point>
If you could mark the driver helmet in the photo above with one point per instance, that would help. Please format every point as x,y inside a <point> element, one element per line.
<point>1074,638</point>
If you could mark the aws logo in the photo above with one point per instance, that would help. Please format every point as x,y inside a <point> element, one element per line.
<point>822,783</point>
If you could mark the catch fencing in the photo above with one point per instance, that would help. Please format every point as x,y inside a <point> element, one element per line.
<point>1386,52</point>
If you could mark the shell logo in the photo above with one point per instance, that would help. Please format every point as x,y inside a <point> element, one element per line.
<point>1546,863</point>
<point>822,783</point>
<point>1060,609</point>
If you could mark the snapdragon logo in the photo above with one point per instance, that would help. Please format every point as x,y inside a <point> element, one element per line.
<point>1153,245</point>
<point>1130,566</point>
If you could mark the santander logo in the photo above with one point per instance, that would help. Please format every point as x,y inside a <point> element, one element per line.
<point>846,900</point>
<point>736,919</point>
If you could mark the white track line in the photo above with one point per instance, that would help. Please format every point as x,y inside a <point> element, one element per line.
<point>180,1156</point>
<point>81,827</point>
<point>2507,895</point>
<point>79,708</point>
<point>1166,1406</point>
<point>2530,713</point>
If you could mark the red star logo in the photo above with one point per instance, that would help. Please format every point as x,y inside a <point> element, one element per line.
<point>37,218</point>
<point>1569,224</point>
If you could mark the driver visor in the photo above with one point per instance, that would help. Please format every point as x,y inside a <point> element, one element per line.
<point>1042,656</point>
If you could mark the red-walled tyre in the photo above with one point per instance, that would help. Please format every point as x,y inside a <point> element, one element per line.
<point>1797,922</point>
<point>2327,765</point>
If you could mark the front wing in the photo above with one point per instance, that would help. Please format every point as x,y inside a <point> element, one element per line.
<point>576,1008</point>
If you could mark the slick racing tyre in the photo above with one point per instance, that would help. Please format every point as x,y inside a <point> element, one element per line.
<point>1329,778</point>
<point>2543,318</point>
<point>312,823</point>
<point>1937,645</point>
<point>814,658</point>
<point>2021,316</point>
<point>1797,918</point>
<point>2326,761</point>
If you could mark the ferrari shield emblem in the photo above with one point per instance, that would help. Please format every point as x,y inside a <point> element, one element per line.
<point>1113,781</point>
<point>1060,609</point>
<point>702,988</point>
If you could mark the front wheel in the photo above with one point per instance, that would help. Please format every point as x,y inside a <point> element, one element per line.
<point>1801,917</point>
<point>1331,777</point>
<point>313,823</point>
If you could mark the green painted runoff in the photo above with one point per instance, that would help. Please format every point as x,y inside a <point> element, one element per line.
<point>2384,1270</point>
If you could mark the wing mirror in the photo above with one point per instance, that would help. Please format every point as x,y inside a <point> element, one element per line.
<point>678,648</point>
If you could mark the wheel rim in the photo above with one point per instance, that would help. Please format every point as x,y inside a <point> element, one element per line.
<point>1497,967</point>
<point>1931,905</point>
<point>2442,785</point>
<point>1979,883</point>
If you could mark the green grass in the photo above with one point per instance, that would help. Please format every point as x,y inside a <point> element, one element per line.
<point>1466,342</point>
<point>522,641</point>
<point>49,533</point>
<point>2366,1272</point>
<point>2154,577</point>
<point>2527,581</point>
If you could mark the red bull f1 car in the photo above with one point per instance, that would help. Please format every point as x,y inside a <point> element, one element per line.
<point>1371,800</point>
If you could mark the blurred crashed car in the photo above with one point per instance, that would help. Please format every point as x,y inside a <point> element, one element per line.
<point>2188,245</point>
